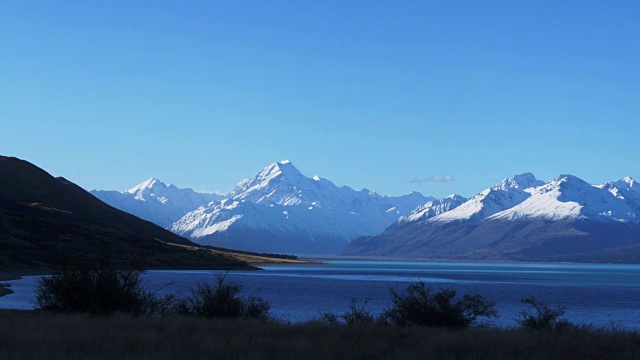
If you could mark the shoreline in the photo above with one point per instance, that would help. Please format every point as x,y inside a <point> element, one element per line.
<point>11,275</point>
<point>5,288</point>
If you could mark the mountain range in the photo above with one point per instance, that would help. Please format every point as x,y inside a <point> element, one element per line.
<point>522,218</point>
<point>154,201</point>
<point>279,210</point>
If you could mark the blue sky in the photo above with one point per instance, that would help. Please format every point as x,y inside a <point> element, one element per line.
<point>387,95</point>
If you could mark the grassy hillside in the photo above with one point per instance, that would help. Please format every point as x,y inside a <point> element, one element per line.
<point>36,335</point>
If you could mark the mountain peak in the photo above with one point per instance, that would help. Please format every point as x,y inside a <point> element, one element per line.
<point>455,197</point>
<point>525,178</point>
<point>282,174</point>
<point>625,188</point>
<point>629,181</point>
<point>569,180</point>
<point>521,181</point>
<point>147,184</point>
<point>284,168</point>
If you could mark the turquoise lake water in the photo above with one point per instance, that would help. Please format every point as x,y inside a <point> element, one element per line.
<point>602,295</point>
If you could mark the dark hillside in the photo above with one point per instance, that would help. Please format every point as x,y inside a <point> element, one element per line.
<point>46,220</point>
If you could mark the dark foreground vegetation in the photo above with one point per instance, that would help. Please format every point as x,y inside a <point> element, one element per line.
<point>107,313</point>
<point>43,335</point>
<point>5,289</point>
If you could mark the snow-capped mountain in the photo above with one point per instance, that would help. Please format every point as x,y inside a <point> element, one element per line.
<point>570,198</point>
<point>626,189</point>
<point>507,194</point>
<point>281,210</point>
<point>519,219</point>
<point>156,201</point>
<point>433,208</point>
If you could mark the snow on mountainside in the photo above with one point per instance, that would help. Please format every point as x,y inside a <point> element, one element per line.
<point>433,208</point>
<point>565,219</point>
<point>569,198</point>
<point>282,210</point>
<point>505,195</point>
<point>626,189</point>
<point>155,201</point>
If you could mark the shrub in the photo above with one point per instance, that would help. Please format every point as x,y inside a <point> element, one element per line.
<point>100,290</point>
<point>355,314</point>
<point>419,306</point>
<point>543,317</point>
<point>222,300</point>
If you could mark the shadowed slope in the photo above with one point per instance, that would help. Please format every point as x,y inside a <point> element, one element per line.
<point>45,220</point>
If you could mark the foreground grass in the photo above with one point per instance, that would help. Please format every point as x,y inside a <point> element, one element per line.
<point>40,335</point>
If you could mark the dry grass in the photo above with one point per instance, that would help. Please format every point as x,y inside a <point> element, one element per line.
<point>37,335</point>
<point>254,259</point>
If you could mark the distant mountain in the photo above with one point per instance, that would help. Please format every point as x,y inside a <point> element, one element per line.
<point>565,219</point>
<point>46,220</point>
<point>507,194</point>
<point>281,210</point>
<point>433,208</point>
<point>155,201</point>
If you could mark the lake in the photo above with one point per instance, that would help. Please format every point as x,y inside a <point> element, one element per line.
<point>598,294</point>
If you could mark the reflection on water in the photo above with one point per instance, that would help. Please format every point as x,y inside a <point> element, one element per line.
<point>602,295</point>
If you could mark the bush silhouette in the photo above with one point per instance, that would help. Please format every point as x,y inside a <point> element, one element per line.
<point>222,300</point>
<point>420,306</point>
<point>355,314</point>
<point>543,317</point>
<point>101,289</point>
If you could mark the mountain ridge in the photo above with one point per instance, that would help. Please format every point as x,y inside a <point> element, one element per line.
<point>560,220</point>
<point>155,201</point>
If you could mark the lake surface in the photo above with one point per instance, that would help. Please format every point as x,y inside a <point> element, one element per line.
<point>602,295</point>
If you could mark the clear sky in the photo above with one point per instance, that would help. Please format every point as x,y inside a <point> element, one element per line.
<point>395,96</point>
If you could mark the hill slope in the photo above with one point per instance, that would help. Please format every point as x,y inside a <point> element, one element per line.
<point>45,220</point>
